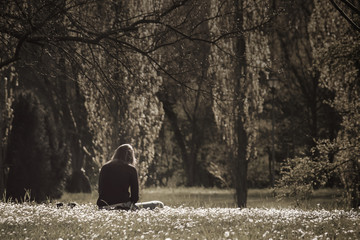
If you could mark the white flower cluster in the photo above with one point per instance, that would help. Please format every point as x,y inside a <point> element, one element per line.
<point>46,221</point>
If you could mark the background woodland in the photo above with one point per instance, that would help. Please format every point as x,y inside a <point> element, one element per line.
<point>238,94</point>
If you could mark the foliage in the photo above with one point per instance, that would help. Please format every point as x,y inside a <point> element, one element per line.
<point>299,177</point>
<point>35,152</point>
<point>258,172</point>
<point>301,114</point>
<point>339,64</point>
<point>223,70</point>
<point>166,169</point>
<point>217,162</point>
<point>185,92</point>
<point>341,75</point>
<point>235,65</point>
<point>349,10</point>
<point>335,51</point>
<point>124,106</point>
<point>101,70</point>
<point>109,58</point>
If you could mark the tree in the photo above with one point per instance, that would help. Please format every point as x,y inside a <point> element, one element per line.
<point>122,97</point>
<point>8,80</point>
<point>337,57</point>
<point>103,56</point>
<point>237,94</point>
<point>300,100</point>
<point>298,104</point>
<point>35,152</point>
<point>191,124</point>
<point>335,50</point>
<point>186,101</point>
<point>88,43</point>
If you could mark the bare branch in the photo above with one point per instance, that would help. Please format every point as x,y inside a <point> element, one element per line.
<point>352,23</point>
<point>351,6</point>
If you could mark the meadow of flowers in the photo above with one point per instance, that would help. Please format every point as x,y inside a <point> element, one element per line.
<point>85,221</point>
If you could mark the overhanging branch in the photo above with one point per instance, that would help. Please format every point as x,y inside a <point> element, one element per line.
<point>347,18</point>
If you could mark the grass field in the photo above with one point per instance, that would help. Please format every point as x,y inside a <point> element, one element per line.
<point>204,197</point>
<point>194,213</point>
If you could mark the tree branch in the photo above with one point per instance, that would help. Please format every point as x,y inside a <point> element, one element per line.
<point>351,6</point>
<point>16,56</point>
<point>352,23</point>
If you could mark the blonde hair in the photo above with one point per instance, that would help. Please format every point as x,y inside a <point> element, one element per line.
<point>124,153</point>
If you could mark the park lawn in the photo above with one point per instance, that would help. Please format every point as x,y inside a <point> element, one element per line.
<point>211,216</point>
<point>212,197</point>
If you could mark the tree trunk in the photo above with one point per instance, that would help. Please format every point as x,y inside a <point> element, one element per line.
<point>242,140</point>
<point>78,182</point>
<point>2,155</point>
<point>6,94</point>
<point>73,110</point>
<point>169,112</point>
<point>2,145</point>
<point>2,170</point>
<point>241,168</point>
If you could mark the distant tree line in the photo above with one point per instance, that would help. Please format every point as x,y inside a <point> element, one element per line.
<point>222,93</point>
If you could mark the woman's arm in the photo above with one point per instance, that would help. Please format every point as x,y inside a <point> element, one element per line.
<point>101,202</point>
<point>134,186</point>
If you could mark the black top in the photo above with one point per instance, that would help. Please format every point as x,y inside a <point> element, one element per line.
<point>114,182</point>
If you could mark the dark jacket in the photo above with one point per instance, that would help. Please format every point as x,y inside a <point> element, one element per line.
<point>114,182</point>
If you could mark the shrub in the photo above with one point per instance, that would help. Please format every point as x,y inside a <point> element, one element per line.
<point>36,154</point>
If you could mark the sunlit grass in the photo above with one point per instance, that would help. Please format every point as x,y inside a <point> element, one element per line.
<point>212,197</point>
<point>194,213</point>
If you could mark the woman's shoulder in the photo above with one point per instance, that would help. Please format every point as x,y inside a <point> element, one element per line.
<point>112,164</point>
<point>129,166</point>
<point>108,165</point>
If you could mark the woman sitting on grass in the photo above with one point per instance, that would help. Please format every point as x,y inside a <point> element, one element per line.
<point>116,177</point>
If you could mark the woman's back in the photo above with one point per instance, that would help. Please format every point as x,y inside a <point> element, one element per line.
<point>114,182</point>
